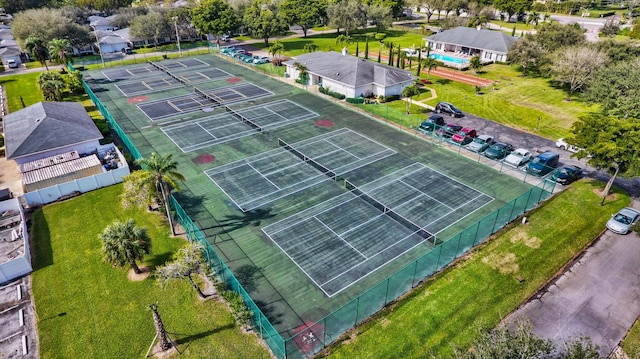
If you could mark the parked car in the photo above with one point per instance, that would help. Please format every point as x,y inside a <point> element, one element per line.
<point>225,38</point>
<point>448,130</point>
<point>480,143</point>
<point>518,157</point>
<point>434,122</point>
<point>12,63</point>
<point>498,151</point>
<point>464,136</point>
<point>563,145</point>
<point>445,107</point>
<point>257,60</point>
<point>623,221</point>
<point>228,49</point>
<point>543,163</point>
<point>567,174</point>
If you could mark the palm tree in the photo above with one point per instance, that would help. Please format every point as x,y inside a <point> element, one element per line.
<point>302,72</point>
<point>125,243</point>
<point>164,176</point>
<point>59,50</point>
<point>52,85</point>
<point>475,63</point>
<point>37,50</point>
<point>429,64</point>
<point>275,51</point>
<point>188,262</point>
<point>161,333</point>
<point>533,19</point>
<point>409,92</point>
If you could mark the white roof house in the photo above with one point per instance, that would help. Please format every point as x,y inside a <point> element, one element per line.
<point>350,75</point>
<point>489,45</point>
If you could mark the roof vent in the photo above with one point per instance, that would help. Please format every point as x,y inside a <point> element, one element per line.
<point>337,74</point>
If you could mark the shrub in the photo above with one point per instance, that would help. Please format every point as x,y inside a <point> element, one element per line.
<point>391,98</point>
<point>380,36</point>
<point>1,140</point>
<point>357,100</point>
<point>333,94</point>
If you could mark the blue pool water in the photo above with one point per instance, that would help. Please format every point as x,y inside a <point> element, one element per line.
<point>445,58</point>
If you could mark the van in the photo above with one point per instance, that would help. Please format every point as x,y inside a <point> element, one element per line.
<point>543,163</point>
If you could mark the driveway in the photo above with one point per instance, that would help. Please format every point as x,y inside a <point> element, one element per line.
<point>596,297</point>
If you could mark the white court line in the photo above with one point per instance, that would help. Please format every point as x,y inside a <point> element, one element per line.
<point>319,179</point>
<point>205,130</point>
<point>298,265</point>
<point>225,193</point>
<point>468,214</point>
<point>419,191</point>
<point>339,237</point>
<point>268,180</point>
<point>145,85</point>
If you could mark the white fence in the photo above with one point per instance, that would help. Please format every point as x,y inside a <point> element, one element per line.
<point>53,193</point>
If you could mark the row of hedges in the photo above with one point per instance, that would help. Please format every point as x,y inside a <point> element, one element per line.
<point>357,100</point>
<point>333,94</point>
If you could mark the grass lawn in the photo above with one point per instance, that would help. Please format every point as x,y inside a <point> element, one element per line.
<point>88,309</point>
<point>515,101</point>
<point>482,288</point>
<point>631,344</point>
<point>21,86</point>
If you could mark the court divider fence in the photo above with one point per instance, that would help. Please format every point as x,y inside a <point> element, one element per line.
<point>309,340</point>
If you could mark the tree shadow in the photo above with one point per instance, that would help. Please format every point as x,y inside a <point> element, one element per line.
<point>444,81</point>
<point>232,222</point>
<point>269,312</point>
<point>159,259</point>
<point>246,275</point>
<point>41,242</point>
<point>185,339</point>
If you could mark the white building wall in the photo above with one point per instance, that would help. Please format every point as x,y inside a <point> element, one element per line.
<point>339,87</point>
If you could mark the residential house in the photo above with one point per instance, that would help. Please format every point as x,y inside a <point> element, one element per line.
<point>350,75</point>
<point>458,44</point>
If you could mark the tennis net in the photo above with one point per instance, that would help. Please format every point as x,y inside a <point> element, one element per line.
<point>326,171</point>
<point>243,119</point>
<point>208,97</point>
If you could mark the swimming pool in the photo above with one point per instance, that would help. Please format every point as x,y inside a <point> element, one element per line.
<point>446,58</point>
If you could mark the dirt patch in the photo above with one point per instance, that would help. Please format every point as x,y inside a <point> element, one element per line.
<point>145,272</point>
<point>521,235</point>
<point>610,197</point>
<point>352,337</point>
<point>504,264</point>
<point>10,176</point>
<point>156,352</point>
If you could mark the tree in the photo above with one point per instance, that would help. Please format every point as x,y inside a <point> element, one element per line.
<point>125,16</point>
<point>137,191</point>
<point>264,19</point>
<point>475,64</point>
<point>153,25</point>
<point>48,24</point>
<point>161,333</point>
<point>275,51</point>
<point>214,17</point>
<point>553,36</point>
<point>428,7</point>
<point>429,64</point>
<point>188,262</point>
<point>610,144</point>
<point>343,40</point>
<point>501,342</point>
<point>575,66</point>
<point>617,89</point>
<point>302,72</point>
<point>60,51</point>
<point>181,17</point>
<point>610,27</point>
<point>304,13</point>
<point>513,7</point>
<point>36,48</point>
<point>581,348</point>
<point>347,14</point>
<point>52,85</point>
<point>409,92</point>
<point>527,53</point>
<point>164,176</point>
<point>125,243</point>
<point>379,16</point>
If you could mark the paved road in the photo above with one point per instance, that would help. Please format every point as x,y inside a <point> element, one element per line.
<point>592,25</point>
<point>596,297</point>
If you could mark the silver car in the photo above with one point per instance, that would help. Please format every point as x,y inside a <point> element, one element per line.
<point>623,221</point>
<point>518,157</point>
<point>480,143</point>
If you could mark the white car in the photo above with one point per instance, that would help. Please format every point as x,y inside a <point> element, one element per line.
<point>518,157</point>
<point>563,145</point>
<point>623,221</point>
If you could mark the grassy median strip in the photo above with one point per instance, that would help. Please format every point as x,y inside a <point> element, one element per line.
<point>87,309</point>
<point>487,285</point>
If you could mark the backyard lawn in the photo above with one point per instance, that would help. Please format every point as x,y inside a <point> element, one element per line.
<point>481,289</point>
<point>19,87</point>
<point>88,309</point>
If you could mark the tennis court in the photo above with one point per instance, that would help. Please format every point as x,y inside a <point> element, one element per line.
<point>236,124</point>
<point>201,99</point>
<point>186,63</point>
<point>204,75</point>
<point>133,71</point>
<point>259,180</point>
<point>134,88</point>
<point>386,218</point>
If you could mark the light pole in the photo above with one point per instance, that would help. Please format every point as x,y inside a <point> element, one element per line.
<point>175,25</point>
<point>95,33</point>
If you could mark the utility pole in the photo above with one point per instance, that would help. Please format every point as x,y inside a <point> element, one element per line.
<point>175,25</point>
<point>95,33</point>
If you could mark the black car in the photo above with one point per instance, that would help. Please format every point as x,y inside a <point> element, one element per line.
<point>567,174</point>
<point>445,107</point>
<point>498,151</point>
<point>432,123</point>
<point>448,130</point>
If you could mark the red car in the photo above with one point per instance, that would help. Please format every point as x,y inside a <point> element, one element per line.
<point>464,136</point>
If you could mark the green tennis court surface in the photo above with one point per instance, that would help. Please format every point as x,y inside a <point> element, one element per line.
<point>322,214</point>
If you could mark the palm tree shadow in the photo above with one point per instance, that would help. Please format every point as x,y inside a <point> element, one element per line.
<point>251,218</point>
<point>186,339</point>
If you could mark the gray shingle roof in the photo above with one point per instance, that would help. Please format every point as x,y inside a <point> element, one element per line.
<point>496,41</point>
<point>46,126</point>
<point>351,70</point>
